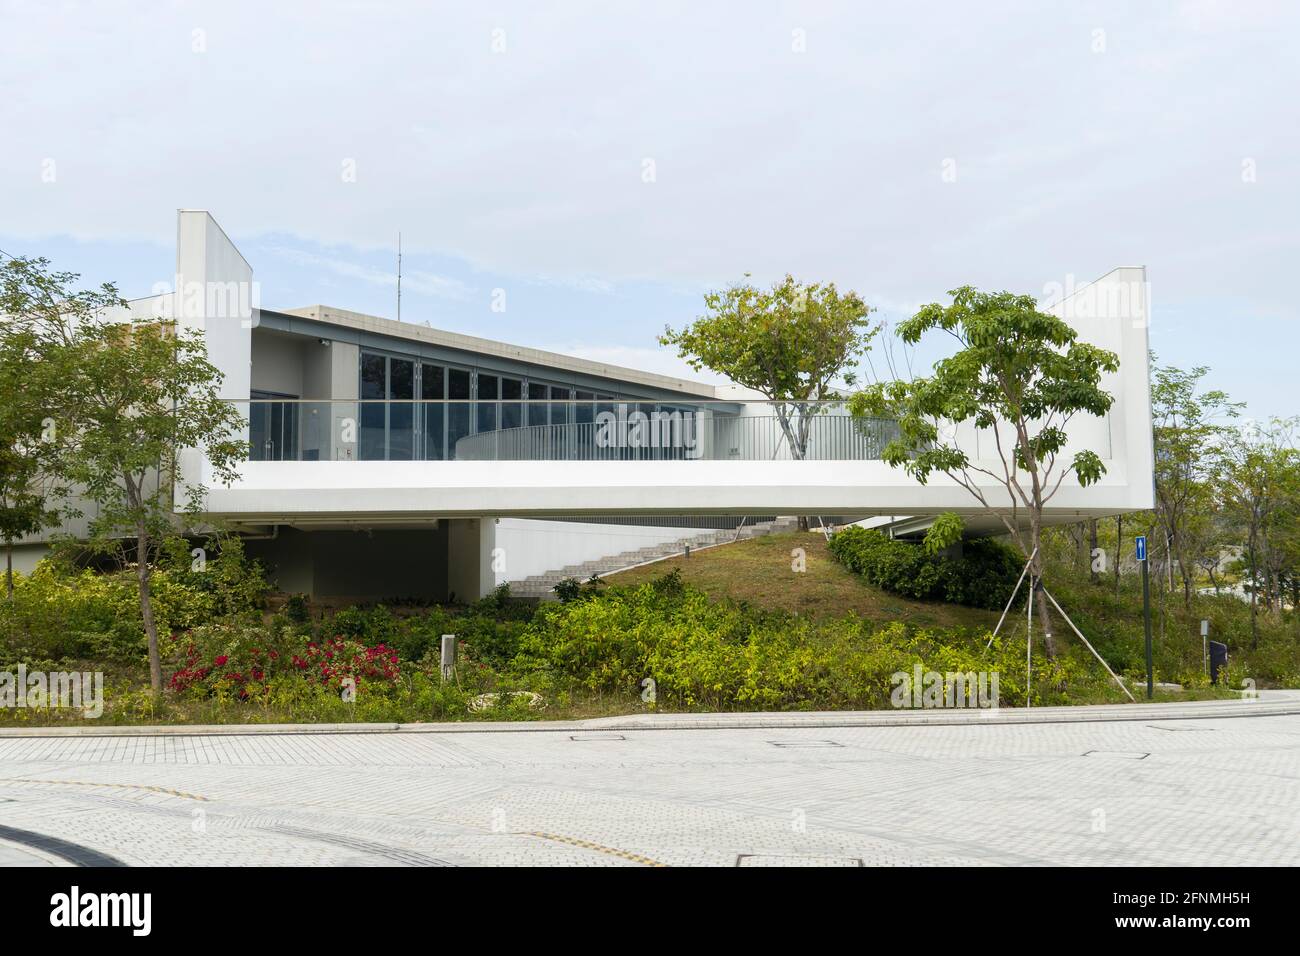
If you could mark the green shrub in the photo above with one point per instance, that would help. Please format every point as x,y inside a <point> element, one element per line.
<point>296,609</point>
<point>571,589</point>
<point>62,612</point>
<point>704,655</point>
<point>984,575</point>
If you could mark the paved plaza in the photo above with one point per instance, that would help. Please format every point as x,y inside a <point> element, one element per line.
<point>1222,790</point>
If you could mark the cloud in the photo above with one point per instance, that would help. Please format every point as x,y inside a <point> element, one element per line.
<point>532,161</point>
<point>588,284</point>
<point>424,283</point>
<point>601,148</point>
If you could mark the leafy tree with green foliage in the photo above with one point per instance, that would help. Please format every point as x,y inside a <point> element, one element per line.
<point>1190,432</point>
<point>1019,374</point>
<point>25,495</point>
<point>944,532</point>
<point>145,392</point>
<point>791,343</point>
<point>39,309</point>
<point>1264,497</point>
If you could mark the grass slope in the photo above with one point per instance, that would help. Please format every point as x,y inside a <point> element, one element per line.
<point>759,572</point>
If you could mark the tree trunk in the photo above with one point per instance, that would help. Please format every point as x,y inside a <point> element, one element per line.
<point>9,569</point>
<point>1045,620</point>
<point>1254,604</point>
<point>1039,595</point>
<point>1119,543</point>
<point>146,609</point>
<point>803,523</point>
<point>1079,535</point>
<point>1092,551</point>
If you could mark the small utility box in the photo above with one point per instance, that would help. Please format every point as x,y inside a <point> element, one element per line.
<point>1218,659</point>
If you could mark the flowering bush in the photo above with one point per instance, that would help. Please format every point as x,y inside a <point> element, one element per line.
<point>243,659</point>
<point>334,661</point>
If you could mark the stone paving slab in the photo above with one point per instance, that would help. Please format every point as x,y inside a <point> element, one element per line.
<point>15,854</point>
<point>1212,791</point>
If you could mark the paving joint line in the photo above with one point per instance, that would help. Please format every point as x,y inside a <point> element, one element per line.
<point>121,786</point>
<point>599,848</point>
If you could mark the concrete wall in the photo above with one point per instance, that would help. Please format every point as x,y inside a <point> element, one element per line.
<point>25,557</point>
<point>215,295</point>
<point>529,546</point>
<point>470,545</point>
<point>279,363</point>
<point>371,565</point>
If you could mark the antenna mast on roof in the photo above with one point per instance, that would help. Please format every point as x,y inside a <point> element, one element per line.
<point>399,277</point>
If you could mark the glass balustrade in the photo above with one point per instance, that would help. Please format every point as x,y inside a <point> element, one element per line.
<point>513,428</point>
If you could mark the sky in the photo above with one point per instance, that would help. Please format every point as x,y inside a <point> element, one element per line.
<point>597,167</point>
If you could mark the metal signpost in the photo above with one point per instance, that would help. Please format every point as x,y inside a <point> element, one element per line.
<point>1146,610</point>
<point>1205,645</point>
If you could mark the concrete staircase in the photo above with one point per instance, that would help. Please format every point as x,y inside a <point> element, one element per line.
<point>542,585</point>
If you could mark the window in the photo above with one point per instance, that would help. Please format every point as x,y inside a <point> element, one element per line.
<point>583,411</point>
<point>387,409</point>
<point>458,410</point>
<point>401,411</point>
<point>560,404</point>
<point>511,412</point>
<point>374,386</point>
<point>433,389</point>
<point>536,411</point>
<point>488,393</point>
<point>272,427</point>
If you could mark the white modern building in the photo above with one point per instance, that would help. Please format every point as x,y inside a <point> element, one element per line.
<point>389,459</point>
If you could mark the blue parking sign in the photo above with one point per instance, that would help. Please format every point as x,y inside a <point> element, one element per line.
<point>1141,547</point>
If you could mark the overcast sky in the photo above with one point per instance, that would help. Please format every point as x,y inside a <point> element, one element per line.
<point>604,164</point>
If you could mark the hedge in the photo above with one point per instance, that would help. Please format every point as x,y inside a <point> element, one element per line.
<point>983,576</point>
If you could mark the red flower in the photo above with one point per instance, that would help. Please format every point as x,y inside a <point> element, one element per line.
<point>221,660</point>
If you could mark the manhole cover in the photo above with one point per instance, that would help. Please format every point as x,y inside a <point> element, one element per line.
<point>774,859</point>
<point>804,743</point>
<point>1122,754</point>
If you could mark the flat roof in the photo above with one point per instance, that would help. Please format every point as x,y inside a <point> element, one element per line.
<point>359,321</point>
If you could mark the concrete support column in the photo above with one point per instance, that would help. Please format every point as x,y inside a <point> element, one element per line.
<point>469,558</point>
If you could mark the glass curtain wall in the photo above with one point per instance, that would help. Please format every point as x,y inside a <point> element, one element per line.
<point>454,404</point>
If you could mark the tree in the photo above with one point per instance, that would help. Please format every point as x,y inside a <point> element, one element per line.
<point>1189,431</point>
<point>791,343</point>
<point>144,392</point>
<point>25,496</point>
<point>38,310</point>
<point>1019,374</point>
<point>1264,495</point>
